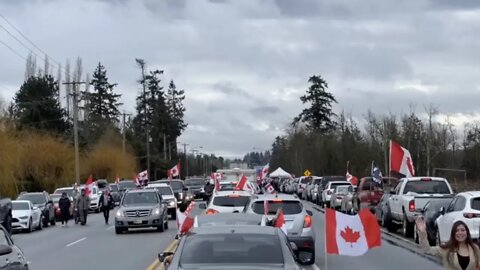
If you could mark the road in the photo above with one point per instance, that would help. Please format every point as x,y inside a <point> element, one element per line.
<point>96,246</point>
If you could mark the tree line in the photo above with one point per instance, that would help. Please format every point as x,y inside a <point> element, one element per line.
<point>323,141</point>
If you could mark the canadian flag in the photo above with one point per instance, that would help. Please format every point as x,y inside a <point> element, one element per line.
<point>184,221</point>
<point>269,188</point>
<point>280,221</point>
<point>351,235</point>
<point>217,185</point>
<point>136,180</point>
<point>352,179</point>
<point>266,207</point>
<point>89,185</point>
<point>265,170</point>
<point>242,184</point>
<point>174,171</point>
<point>143,176</point>
<point>401,160</point>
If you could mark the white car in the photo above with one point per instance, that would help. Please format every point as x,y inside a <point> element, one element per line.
<point>94,197</point>
<point>168,197</point>
<point>25,216</point>
<point>465,207</point>
<point>328,191</point>
<point>227,202</point>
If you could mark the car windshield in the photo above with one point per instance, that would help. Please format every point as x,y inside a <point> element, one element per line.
<point>69,191</point>
<point>306,180</point>
<point>164,190</point>
<point>140,198</point>
<point>33,198</point>
<point>102,184</point>
<point>427,187</point>
<point>194,182</point>
<point>231,201</point>
<point>127,185</point>
<point>231,249</point>
<point>334,185</point>
<point>20,206</point>
<point>114,188</point>
<point>288,207</point>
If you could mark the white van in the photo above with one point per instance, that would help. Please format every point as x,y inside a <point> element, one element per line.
<point>168,197</point>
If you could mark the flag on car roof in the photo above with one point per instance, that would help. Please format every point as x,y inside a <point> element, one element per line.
<point>351,235</point>
<point>184,221</point>
<point>350,178</point>
<point>401,160</point>
<point>242,184</point>
<point>376,174</point>
<point>269,188</point>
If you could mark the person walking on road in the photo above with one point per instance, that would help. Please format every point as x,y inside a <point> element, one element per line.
<point>106,204</point>
<point>459,253</point>
<point>64,204</point>
<point>83,203</point>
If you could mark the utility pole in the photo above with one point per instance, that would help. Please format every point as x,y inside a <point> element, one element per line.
<point>141,64</point>
<point>164,147</point>
<point>75,128</point>
<point>186,158</point>
<point>124,115</point>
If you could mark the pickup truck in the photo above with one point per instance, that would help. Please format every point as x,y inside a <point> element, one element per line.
<point>6,213</point>
<point>368,194</point>
<point>409,197</point>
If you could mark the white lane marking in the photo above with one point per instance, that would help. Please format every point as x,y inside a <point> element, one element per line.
<point>78,241</point>
<point>109,228</point>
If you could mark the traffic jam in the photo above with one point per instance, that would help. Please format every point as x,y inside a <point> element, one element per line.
<point>257,219</point>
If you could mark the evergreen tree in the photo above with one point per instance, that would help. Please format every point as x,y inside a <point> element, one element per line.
<point>176,109</point>
<point>36,105</point>
<point>318,117</point>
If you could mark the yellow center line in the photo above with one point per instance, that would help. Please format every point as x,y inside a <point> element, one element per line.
<point>155,265</point>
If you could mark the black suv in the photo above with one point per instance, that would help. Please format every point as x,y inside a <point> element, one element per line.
<point>196,187</point>
<point>43,201</point>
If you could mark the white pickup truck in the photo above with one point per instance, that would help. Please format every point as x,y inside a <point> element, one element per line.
<point>409,197</point>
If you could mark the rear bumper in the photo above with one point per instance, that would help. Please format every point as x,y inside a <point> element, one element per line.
<point>303,243</point>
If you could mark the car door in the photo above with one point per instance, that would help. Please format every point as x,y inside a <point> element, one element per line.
<point>394,201</point>
<point>445,222</point>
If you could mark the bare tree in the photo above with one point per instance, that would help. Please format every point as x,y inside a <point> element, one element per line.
<point>431,111</point>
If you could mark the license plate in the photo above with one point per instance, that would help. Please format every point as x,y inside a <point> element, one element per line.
<point>138,221</point>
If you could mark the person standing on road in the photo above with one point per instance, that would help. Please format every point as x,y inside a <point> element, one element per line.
<point>459,253</point>
<point>106,204</point>
<point>83,203</point>
<point>64,204</point>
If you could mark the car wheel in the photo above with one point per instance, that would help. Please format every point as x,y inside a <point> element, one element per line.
<point>118,230</point>
<point>30,228</point>
<point>7,224</point>
<point>53,221</point>
<point>407,227</point>
<point>166,223</point>
<point>45,220</point>
<point>161,228</point>
<point>40,224</point>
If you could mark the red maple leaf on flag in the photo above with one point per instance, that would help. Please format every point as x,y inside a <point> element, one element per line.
<point>350,236</point>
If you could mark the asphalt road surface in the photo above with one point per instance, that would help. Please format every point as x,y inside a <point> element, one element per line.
<point>96,246</point>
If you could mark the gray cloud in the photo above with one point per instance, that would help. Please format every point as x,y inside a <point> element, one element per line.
<point>244,64</point>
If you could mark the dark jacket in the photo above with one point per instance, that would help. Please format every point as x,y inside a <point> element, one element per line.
<point>110,205</point>
<point>64,204</point>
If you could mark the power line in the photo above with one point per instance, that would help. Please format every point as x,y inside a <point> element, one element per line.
<point>14,51</point>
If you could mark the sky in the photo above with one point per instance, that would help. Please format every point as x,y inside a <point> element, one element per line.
<point>245,63</point>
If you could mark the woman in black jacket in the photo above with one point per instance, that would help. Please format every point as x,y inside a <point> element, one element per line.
<point>64,204</point>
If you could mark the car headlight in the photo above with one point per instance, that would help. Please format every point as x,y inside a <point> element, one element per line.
<point>156,211</point>
<point>202,189</point>
<point>24,217</point>
<point>119,213</point>
<point>171,203</point>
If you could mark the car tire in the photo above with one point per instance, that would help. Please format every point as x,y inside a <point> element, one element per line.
<point>118,230</point>
<point>53,221</point>
<point>7,224</point>
<point>388,222</point>
<point>407,227</point>
<point>40,224</point>
<point>166,223</point>
<point>30,228</point>
<point>45,220</point>
<point>161,228</point>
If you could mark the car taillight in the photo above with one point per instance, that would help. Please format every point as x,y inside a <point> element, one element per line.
<point>411,206</point>
<point>307,221</point>
<point>211,211</point>
<point>471,215</point>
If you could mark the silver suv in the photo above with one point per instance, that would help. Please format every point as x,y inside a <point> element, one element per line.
<point>298,220</point>
<point>141,209</point>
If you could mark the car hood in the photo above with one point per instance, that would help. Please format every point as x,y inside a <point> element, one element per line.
<point>239,267</point>
<point>137,207</point>
<point>21,213</point>
<point>40,205</point>
<point>168,197</point>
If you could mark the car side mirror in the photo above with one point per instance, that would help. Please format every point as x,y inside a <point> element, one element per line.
<point>162,256</point>
<point>309,212</point>
<point>294,246</point>
<point>392,192</point>
<point>202,206</point>
<point>4,250</point>
<point>442,210</point>
<point>34,208</point>
<point>50,202</point>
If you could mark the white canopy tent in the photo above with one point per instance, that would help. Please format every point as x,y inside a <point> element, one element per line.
<point>280,173</point>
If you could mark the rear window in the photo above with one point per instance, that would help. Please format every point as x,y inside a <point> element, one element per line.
<point>194,182</point>
<point>306,180</point>
<point>475,204</point>
<point>231,249</point>
<point>231,201</point>
<point>102,184</point>
<point>342,189</point>
<point>289,207</point>
<point>127,185</point>
<point>227,186</point>
<point>428,187</point>
<point>334,185</point>
<point>176,185</point>
<point>69,191</point>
